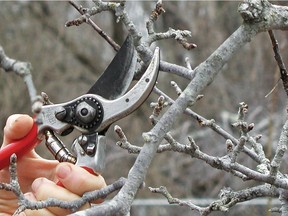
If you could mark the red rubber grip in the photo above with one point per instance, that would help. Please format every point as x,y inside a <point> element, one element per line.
<point>19,147</point>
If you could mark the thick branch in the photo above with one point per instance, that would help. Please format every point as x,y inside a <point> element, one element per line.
<point>263,14</point>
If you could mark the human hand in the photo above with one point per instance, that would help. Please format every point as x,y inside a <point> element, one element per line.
<point>37,176</point>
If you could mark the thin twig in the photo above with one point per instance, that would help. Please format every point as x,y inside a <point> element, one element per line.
<point>103,34</point>
<point>279,60</point>
<point>23,69</point>
<point>154,16</point>
<point>228,198</point>
<point>212,125</point>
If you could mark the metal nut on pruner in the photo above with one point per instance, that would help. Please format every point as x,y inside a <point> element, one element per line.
<point>85,112</point>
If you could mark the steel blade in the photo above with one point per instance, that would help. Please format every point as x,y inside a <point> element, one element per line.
<point>128,103</point>
<point>117,77</point>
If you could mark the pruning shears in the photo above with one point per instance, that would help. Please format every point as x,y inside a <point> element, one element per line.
<point>91,113</point>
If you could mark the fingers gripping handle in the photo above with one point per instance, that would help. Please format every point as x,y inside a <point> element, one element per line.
<point>90,153</point>
<point>19,147</point>
<point>91,171</point>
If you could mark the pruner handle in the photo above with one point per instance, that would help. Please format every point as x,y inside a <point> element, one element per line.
<point>19,147</point>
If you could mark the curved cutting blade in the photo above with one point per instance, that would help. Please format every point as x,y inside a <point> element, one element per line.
<point>117,77</point>
<point>128,103</point>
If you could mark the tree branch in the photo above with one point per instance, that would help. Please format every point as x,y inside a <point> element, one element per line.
<point>228,198</point>
<point>279,60</point>
<point>22,69</point>
<point>81,10</point>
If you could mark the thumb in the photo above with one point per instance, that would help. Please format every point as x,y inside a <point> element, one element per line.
<point>17,126</point>
<point>77,179</point>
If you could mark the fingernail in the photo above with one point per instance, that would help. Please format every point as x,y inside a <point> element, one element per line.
<point>13,119</point>
<point>29,196</point>
<point>36,183</point>
<point>63,170</point>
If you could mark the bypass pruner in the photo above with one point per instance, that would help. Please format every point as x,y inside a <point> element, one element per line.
<point>91,113</point>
